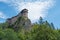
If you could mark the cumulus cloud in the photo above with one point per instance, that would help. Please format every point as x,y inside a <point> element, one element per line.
<point>36,8</point>
<point>2,15</point>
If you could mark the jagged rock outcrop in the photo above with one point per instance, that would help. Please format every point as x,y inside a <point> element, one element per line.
<point>21,20</point>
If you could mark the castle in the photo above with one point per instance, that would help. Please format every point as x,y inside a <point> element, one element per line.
<point>23,13</point>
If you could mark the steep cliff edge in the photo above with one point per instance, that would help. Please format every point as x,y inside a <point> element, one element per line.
<point>19,21</point>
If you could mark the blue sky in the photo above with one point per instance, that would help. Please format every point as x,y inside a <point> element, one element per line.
<point>48,9</point>
<point>54,14</point>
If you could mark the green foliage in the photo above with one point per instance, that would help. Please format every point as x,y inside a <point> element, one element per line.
<point>41,20</point>
<point>39,31</point>
<point>4,25</point>
<point>8,34</point>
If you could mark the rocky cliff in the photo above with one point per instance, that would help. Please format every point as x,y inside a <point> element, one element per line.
<point>20,21</point>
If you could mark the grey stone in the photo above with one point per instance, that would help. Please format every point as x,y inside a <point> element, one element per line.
<point>25,22</point>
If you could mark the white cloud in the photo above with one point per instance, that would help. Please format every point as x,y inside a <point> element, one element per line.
<point>36,9</point>
<point>2,15</point>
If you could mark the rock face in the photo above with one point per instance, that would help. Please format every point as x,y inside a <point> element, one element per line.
<point>20,20</point>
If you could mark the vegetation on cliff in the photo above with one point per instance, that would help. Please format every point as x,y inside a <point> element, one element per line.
<point>43,30</point>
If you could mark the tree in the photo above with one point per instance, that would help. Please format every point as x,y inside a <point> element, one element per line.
<point>8,34</point>
<point>52,25</point>
<point>40,20</point>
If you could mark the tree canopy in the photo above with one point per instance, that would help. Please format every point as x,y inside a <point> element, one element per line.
<point>43,30</point>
